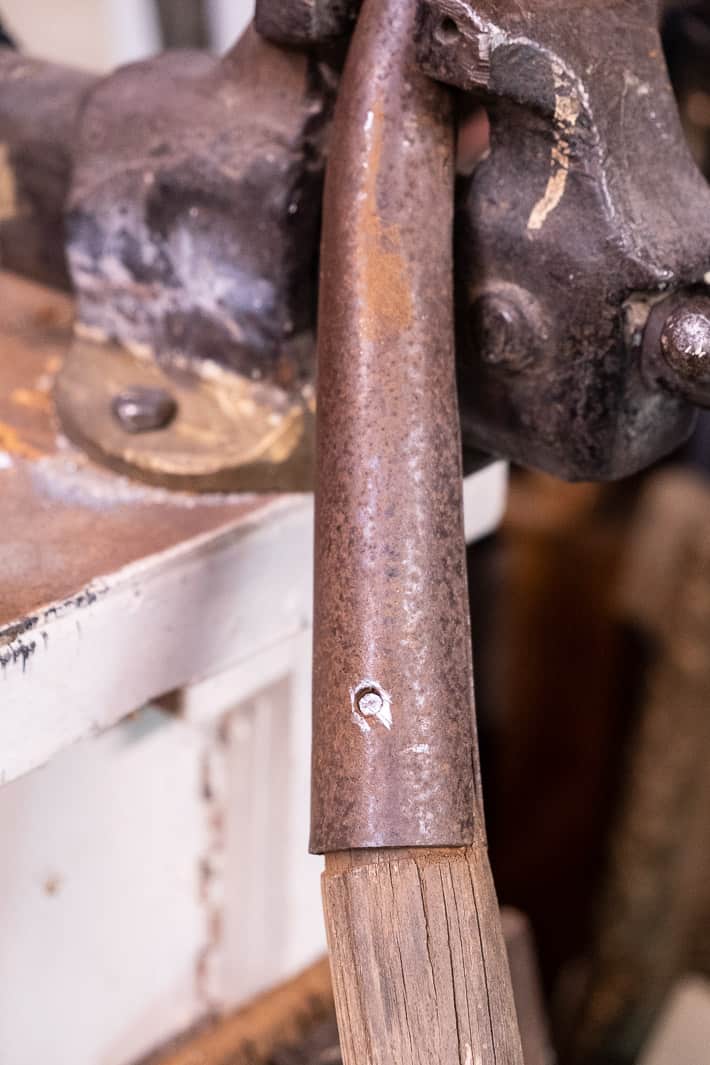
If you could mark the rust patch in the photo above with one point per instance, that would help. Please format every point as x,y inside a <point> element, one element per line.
<point>11,442</point>
<point>32,398</point>
<point>384,278</point>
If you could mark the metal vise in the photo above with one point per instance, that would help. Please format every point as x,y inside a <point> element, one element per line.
<point>191,190</point>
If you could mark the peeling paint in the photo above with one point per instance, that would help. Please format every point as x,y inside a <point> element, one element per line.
<point>17,651</point>
<point>213,796</point>
<point>8,633</point>
<point>12,443</point>
<point>567,111</point>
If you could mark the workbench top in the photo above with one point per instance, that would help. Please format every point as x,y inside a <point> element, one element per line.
<point>113,593</point>
<point>81,547</point>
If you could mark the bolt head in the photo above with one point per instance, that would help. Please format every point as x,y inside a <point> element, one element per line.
<point>500,332</point>
<point>143,410</point>
<point>685,341</point>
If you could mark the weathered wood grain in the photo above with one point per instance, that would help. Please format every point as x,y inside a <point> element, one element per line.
<point>420,972</point>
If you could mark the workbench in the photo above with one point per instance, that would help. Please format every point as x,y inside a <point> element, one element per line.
<point>154,732</point>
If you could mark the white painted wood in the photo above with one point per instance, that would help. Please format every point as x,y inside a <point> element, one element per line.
<point>160,871</point>
<point>484,498</point>
<point>682,1035</point>
<point>152,627</point>
<point>103,928</point>
<point>169,620</point>
<point>268,895</point>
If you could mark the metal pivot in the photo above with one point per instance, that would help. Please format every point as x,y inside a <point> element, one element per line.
<point>394,746</point>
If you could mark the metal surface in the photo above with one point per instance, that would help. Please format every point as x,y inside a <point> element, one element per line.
<point>229,433</point>
<point>194,207</point>
<point>675,350</point>
<point>39,109</point>
<point>685,345</point>
<point>66,522</point>
<point>394,745</point>
<point>190,187</point>
<point>305,22</point>
<point>194,211</point>
<point>588,202</point>
<point>143,410</point>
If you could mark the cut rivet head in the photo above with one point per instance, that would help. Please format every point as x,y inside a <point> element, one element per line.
<point>144,410</point>
<point>685,340</point>
<point>370,703</point>
<point>500,332</point>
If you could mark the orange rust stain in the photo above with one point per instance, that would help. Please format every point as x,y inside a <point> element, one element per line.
<point>11,442</point>
<point>32,398</point>
<point>387,291</point>
<point>53,364</point>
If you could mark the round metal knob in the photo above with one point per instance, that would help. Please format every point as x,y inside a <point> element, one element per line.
<point>685,341</point>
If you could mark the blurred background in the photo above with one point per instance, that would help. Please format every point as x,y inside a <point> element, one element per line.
<point>591,617</point>
<point>100,34</point>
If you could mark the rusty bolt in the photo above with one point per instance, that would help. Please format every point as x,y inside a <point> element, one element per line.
<point>685,340</point>
<point>144,410</point>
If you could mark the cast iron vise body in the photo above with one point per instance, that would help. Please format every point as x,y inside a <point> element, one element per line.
<point>190,188</point>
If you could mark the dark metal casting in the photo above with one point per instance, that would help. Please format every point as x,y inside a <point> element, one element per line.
<point>39,108</point>
<point>305,22</point>
<point>194,191</point>
<point>186,191</point>
<point>194,208</point>
<point>589,200</point>
<point>394,744</point>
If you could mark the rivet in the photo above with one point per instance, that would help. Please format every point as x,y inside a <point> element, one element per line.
<point>143,410</point>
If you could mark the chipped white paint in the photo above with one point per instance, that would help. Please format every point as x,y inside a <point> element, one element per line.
<point>99,900</point>
<point>144,857</point>
<point>6,462</point>
<point>417,748</point>
<point>218,599</point>
<point>154,626</point>
<point>567,111</point>
<point>149,850</point>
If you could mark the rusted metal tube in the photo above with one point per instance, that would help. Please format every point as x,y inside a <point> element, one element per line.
<point>394,746</point>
